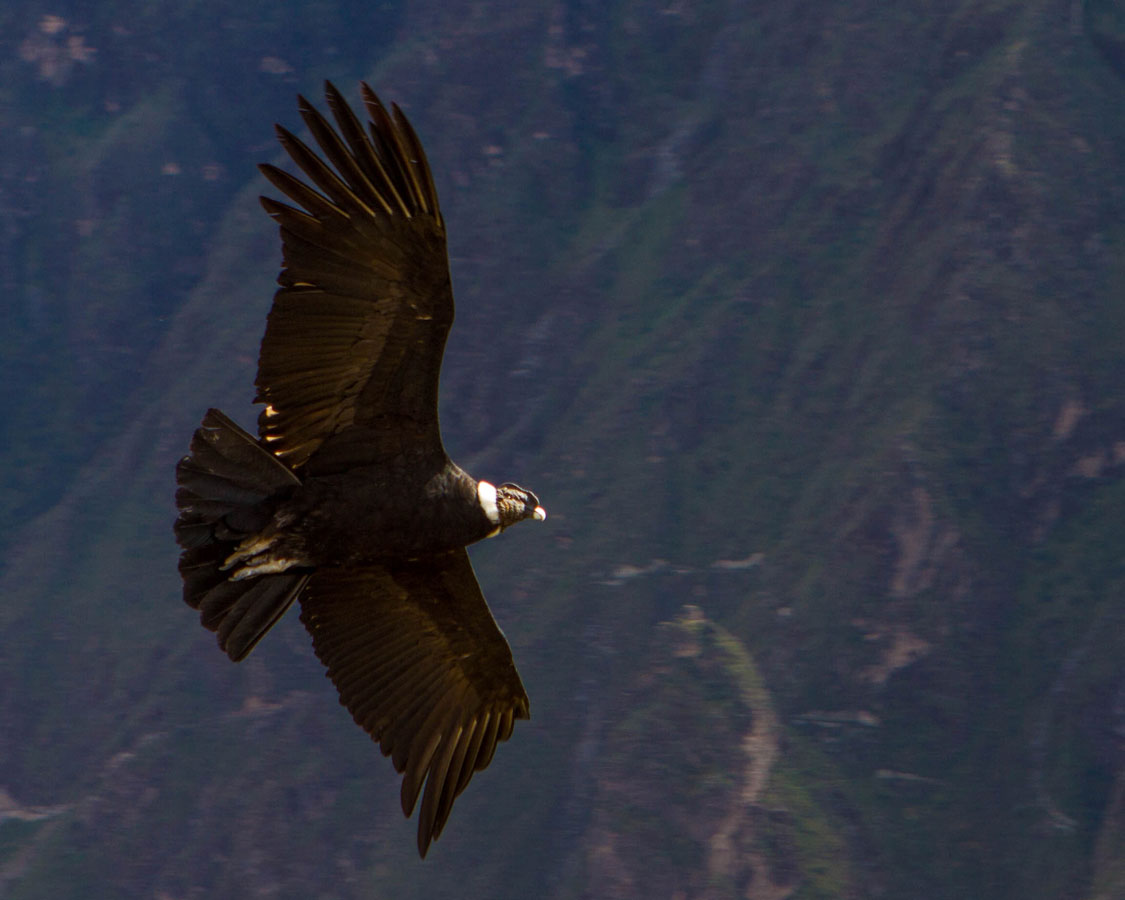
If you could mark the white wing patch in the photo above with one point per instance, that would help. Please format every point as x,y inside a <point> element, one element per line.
<point>486,493</point>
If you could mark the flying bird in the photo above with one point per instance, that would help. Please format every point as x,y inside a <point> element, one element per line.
<point>347,500</point>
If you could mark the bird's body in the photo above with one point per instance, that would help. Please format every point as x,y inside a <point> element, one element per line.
<point>370,515</point>
<point>347,500</point>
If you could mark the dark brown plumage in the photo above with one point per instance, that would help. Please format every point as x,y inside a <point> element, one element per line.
<point>347,500</point>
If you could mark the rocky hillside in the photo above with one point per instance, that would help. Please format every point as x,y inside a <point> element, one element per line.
<point>817,312</point>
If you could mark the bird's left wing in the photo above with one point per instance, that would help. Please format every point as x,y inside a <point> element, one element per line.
<point>357,331</point>
<point>421,665</point>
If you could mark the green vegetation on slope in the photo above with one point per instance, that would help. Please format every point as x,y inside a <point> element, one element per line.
<point>812,313</point>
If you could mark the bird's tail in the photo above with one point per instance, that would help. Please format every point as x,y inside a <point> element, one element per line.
<point>226,487</point>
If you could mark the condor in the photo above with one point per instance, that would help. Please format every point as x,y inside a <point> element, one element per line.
<point>346,500</point>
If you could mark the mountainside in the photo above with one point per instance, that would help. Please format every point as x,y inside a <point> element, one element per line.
<point>818,314</point>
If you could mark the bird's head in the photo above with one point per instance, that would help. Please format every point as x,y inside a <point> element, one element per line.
<point>509,503</point>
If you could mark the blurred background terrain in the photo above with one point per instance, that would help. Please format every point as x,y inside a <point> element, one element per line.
<point>805,320</point>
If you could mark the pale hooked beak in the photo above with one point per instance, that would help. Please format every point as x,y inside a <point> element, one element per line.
<point>540,514</point>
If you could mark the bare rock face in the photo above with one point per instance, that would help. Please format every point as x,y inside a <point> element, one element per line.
<point>690,800</point>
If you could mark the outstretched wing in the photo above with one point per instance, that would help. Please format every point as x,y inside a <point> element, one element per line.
<point>421,665</point>
<point>357,331</point>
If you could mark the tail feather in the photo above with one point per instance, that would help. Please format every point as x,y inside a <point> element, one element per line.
<point>257,610</point>
<point>225,487</point>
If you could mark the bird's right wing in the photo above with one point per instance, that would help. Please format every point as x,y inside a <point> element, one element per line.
<point>423,668</point>
<point>357,331</point>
